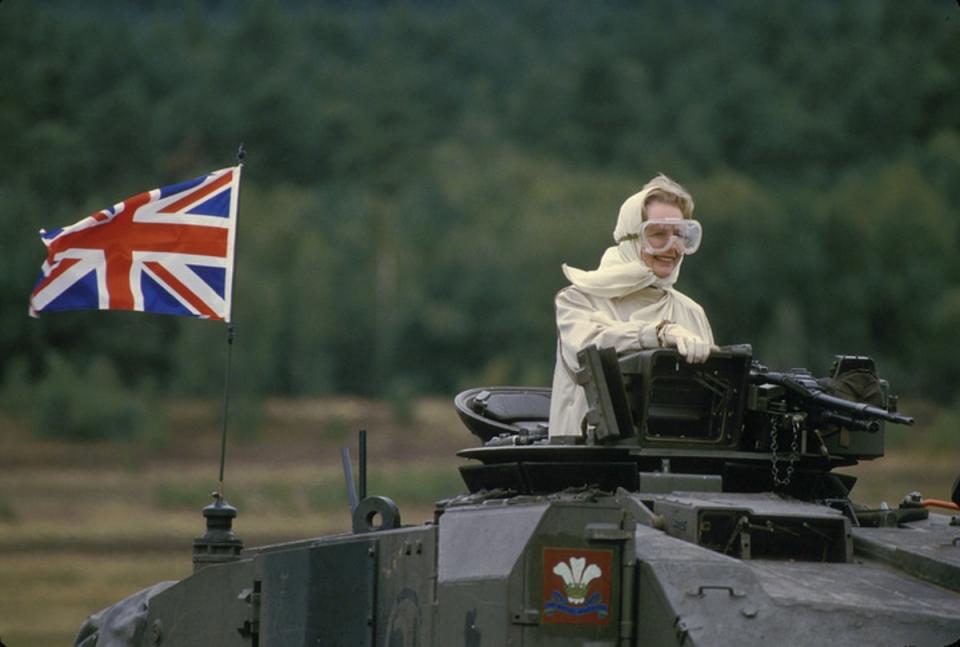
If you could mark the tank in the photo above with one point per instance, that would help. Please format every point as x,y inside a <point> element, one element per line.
<point>700,507</point>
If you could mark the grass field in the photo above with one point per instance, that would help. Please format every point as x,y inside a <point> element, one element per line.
<point>82,526</point>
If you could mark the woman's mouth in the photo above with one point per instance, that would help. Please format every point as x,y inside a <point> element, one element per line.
<point>664,264</point>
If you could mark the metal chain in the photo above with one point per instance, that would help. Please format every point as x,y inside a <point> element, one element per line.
<point>794,451</point>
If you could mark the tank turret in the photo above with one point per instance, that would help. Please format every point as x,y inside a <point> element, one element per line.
<point>655,421</point>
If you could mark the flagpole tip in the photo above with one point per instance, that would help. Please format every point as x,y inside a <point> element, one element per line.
<point>241,153</point>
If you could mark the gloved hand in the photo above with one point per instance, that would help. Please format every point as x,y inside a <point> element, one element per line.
<point>694,348</point>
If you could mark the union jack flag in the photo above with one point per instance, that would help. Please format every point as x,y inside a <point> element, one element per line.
<point>167,251</point>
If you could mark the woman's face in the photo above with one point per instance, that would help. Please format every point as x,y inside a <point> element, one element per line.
<point>662,263</point>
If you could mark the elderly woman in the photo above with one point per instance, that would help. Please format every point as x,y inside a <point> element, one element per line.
<point>629,302</point>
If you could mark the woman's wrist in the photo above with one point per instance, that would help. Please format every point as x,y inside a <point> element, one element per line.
<point>661,331</point>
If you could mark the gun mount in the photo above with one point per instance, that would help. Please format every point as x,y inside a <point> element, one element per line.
<point>699,508</point>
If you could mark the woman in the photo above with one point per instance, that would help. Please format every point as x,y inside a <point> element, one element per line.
<point>629,303</point>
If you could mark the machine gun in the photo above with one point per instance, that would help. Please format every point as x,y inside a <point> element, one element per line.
<point>826,409</point>
<point>794,408</point>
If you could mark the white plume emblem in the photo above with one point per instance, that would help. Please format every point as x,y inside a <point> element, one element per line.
<point>576,578</point>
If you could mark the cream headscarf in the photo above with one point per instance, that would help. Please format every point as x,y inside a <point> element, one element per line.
<point>622,270</point>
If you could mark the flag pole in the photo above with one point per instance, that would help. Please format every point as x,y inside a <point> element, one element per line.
<point>218,495</point>
<point>226,409</point>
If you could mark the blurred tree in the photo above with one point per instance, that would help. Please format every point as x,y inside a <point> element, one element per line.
<point>419,171</point>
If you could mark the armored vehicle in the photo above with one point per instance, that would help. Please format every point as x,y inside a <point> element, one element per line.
<point>700,507</point>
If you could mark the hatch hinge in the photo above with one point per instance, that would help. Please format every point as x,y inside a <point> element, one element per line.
<point>251,626</point>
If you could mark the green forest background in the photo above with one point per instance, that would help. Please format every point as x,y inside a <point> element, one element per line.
<point>418,171</point>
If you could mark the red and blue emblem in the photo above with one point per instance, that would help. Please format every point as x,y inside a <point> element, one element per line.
<point>576,586</point>
<point>168,251</point>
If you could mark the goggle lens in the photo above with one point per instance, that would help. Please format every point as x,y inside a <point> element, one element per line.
<point>660,235</point>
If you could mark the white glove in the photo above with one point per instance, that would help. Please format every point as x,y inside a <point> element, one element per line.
<point>694,348</point>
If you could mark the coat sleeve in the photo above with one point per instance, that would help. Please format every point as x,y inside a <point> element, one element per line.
<point>707,330</point>
<point>698,317</point>
<point>579,325</point>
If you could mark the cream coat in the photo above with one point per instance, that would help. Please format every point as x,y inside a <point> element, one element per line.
<point>624,323</point>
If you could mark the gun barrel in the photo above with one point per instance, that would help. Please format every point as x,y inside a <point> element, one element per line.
<point>860,409</point>
<point>850,422</point>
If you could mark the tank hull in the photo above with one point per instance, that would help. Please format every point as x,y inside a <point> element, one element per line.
<point>488,573</point>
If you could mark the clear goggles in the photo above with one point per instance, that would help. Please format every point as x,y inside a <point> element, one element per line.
<point>658,236</point>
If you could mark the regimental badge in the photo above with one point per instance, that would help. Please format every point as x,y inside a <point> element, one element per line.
<point>576,586</point>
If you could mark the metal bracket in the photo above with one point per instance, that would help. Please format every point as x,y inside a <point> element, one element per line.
<point>369,509</point>
<point>251,625</point>
<point>526,617</point>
